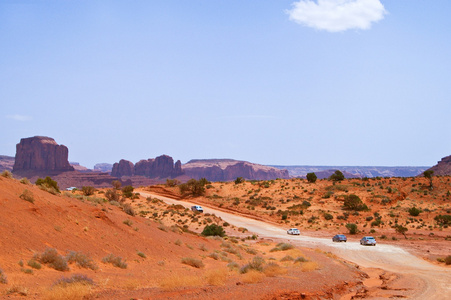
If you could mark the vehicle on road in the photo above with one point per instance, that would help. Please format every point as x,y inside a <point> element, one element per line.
<point>197,208</point>
<point>293,231</point>
<point>339,238</point>
<point>368,240</point>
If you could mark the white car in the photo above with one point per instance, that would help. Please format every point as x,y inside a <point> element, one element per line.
<point>293,231</point>
<point>197,208</point>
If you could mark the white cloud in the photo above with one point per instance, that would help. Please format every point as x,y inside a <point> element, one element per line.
<point>337,15</point>
<point>20,118</point>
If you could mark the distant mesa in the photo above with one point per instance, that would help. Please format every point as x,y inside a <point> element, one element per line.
<point>6,163</point>
<point>40,154</point>
<point>160,167</point>
<point>103,167</point>
<point>229,169</point>
<point>443,167</point>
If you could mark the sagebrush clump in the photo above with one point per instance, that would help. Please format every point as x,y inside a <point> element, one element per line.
<point>115,261</point>
<point>51,258</point>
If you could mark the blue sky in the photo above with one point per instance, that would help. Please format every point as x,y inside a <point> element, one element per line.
<point>344,82</point>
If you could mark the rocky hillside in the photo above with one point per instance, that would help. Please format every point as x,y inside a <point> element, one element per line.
<point>229,169</point>
<point>443,167</point>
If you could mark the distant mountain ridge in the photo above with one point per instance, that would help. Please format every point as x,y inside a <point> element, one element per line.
<point>356,171</point>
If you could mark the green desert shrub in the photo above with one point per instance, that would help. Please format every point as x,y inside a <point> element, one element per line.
<point>337,176</point>
<point>112,195</point>
<point>352,228</point>
<point>48,184</point>
<point>88,190</point>
<point>353,202</point>
<point>443,219</point>
<point>213,230</point>
<point>413,211</point>
<point>127,191</point>
<point>328,216</point>
<point>311,177</point>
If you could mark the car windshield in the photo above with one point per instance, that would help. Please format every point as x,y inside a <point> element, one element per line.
<point>370,238</point>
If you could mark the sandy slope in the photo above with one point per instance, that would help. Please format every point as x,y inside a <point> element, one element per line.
<point>427,280</point>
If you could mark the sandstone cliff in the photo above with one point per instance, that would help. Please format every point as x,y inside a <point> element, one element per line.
<point>228,169</point>
<point>41,154</point>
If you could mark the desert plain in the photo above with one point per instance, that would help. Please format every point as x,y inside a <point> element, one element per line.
<point>149,245</point>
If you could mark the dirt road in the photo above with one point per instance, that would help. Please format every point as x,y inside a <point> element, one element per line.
<point>429,281</point>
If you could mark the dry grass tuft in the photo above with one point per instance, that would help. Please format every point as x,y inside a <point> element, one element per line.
<point>253,277</point>
<point>176,282</point>
<point>17,289</point>
<point>217,277</point>
<point>273,270</point>
<point>131,284</point>
<point>309,266</point>
<point>74,291</point>
<point>193,262</point>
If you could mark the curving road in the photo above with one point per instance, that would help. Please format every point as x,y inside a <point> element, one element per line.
<point>433,282</point>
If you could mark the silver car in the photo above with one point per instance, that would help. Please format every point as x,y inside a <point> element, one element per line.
<point>368,240</point>
<point>294,231</point>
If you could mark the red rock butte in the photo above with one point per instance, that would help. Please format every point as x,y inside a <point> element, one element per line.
<point>40,154</point>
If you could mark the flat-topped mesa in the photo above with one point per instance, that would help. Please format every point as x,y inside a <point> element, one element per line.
<point>229,169</point>
<point>40,154</point>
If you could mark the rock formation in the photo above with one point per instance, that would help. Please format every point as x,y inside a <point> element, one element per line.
<point>41,154</point>
<point>160,167</point>
<point>123,168</point>
<point>443,167</point>
<point>228,169</point>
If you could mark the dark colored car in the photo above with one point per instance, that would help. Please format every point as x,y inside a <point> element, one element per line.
<point>368,240</point>
<point>339,238</point>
